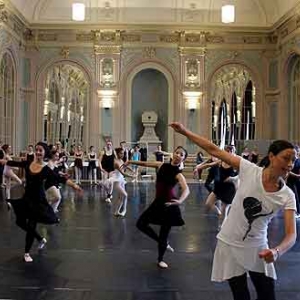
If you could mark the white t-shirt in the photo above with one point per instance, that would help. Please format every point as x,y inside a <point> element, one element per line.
<point>253,208</point>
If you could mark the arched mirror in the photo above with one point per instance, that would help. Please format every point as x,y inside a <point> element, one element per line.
<point>65,105</point>
<point>7,98</point>
<point>233,105</point>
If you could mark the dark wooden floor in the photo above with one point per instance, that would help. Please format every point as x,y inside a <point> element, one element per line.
<point>93,255</point>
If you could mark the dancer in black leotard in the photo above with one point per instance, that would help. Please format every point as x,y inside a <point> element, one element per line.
<point>34,208</point>
<point>164,210</point>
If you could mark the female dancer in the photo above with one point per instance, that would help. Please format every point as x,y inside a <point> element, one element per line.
<point>224,189</point>
<point>164,210</point>
<point>106,165</point>
<point>78,164</point>
<point>242,242</point>
<point>8,172</point>
<point>119,182</point>
<point>30,154</point>
<point>34,208</point>
<point>53,194</point>
<point>92,168</point>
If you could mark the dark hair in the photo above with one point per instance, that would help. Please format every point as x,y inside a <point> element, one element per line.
<point>52,153</point>
<point>5,147</point>
<point>280,145</point>
<point>229,148</point>
<point>118,150</point>
<point>91,147</point>
<point>275,148</point>
<point>184,150</point>
<point>46,148</point>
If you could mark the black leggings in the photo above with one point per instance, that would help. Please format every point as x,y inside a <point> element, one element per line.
<point>162,239</point>
<point>30,227</point>
<point>264,286</point>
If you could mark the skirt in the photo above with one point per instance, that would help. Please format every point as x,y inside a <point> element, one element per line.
<point>225,191</point>
<point>41,212</point>
<point>230,261</point>
<point>159,214</point>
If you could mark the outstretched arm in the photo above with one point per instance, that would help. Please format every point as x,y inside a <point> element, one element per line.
<point>207,145</point>
<point>151,164</point>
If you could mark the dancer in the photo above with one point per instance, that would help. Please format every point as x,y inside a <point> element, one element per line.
<point>119,182</point>
<point>30,154</point>
<point>242,245</point>
<point>78,163</point>
<point>92,168</point>
<point>8,172</point>
<point>34,208</point>
<point>53,194</point>
<point>224,189</point>
<point>136,156</point>
<point>106,165</point>
<point>164,210</point>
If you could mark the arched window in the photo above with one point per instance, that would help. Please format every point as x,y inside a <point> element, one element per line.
<point>294,102</point>
<point>7,97</point>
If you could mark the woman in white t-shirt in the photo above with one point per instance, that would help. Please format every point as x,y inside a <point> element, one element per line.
<point>242,245</point>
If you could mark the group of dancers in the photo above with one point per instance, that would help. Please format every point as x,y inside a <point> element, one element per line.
<point>242,244</point>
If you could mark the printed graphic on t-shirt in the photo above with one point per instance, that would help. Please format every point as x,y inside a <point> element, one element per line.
<point>252,211</point>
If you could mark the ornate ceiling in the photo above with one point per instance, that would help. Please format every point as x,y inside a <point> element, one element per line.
<point>249,13</point>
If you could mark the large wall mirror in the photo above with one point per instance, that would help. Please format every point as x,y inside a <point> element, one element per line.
<point>65,105</point>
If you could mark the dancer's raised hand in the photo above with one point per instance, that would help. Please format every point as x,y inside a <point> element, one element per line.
<point>178,127</point>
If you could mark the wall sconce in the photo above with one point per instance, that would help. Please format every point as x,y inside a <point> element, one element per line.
<point>106,98</point>
<point>192,99</point>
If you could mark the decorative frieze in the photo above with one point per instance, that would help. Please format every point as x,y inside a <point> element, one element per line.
<point>84,37</point>
<point>107,49</point>
<point>215,39</point>
<point>130,38</point>
<point>169,38</point>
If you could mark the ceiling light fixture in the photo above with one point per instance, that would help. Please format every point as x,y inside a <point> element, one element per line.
<point>78,12</point>
<point>228,13</point>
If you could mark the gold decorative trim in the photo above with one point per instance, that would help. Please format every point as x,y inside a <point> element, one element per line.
<point>65,52</point>
<point>107,49</point>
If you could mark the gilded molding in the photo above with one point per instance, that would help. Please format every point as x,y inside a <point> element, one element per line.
<point>131,38</point>
<point>192,50</point>
<point>169,38</point>
<point>215,39</point>
<point>84,37</point>
<point>149,52</point>
<point>107,49</point>
<point>65,52</point>
<point>3,13</point>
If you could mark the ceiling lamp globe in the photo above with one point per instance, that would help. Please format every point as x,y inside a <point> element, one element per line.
<point>78,12</point>
<point>228,14</point>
